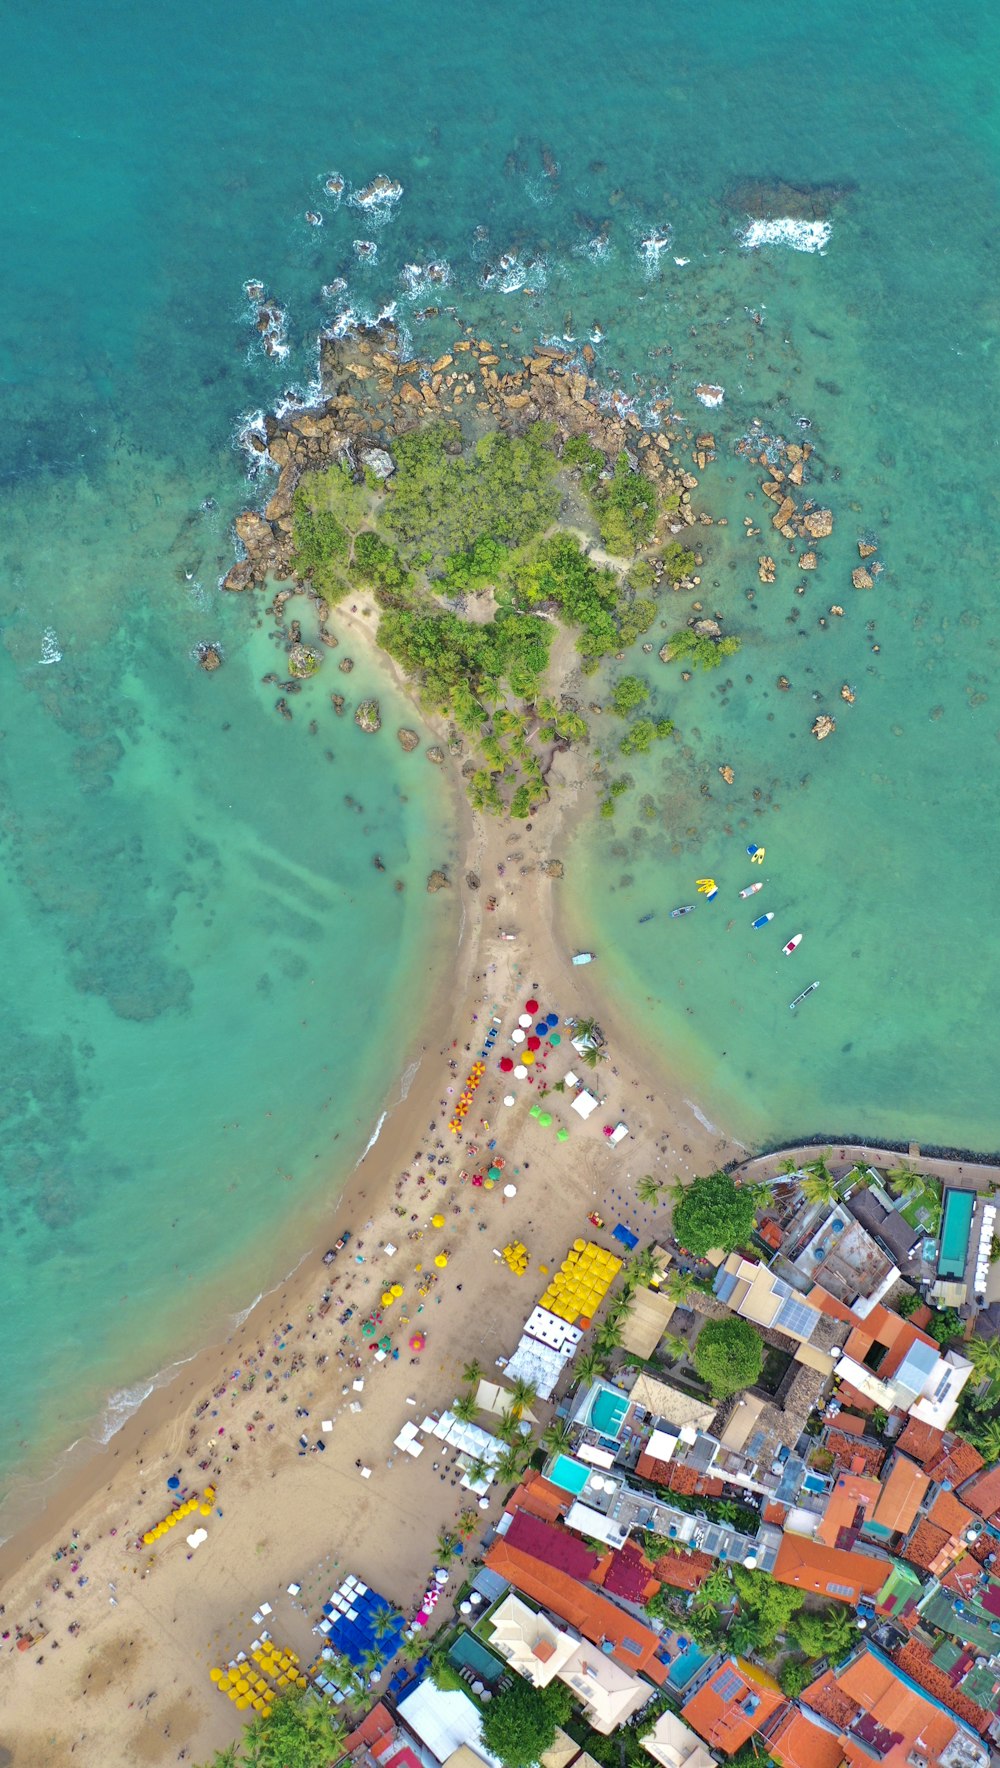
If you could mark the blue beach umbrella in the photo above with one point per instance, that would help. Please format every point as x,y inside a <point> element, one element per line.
<point>173,1483</point>
<point>552,1019</point>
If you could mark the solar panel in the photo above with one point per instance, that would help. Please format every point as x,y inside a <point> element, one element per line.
<point>728,1685</point>
<point>841,1589</point>
<point>797,1316</point>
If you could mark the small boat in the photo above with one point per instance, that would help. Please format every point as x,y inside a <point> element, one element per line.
<point>793,944</point>
<point>762,920</point>
<point>583,957</point>
<point>644,918</point>
<point>751,890</point>
<point>687,909</point>
<point>802,996</point>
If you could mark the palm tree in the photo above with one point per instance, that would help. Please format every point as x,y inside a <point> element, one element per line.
<point>987,1438</point>
<point>557,1437</point>
<point>649,1190</point>
<point>385,1620</point>
<point>589,1365</point>
<point>609,1337</point>
<point>507,1427</point>
<point>673,1346</point>
<point>373,1663</point>
<point>226,1758</point>
<point>445,1545</point>
<point>840,1633</point>
<point>521,1395</point>
<point>414,1648</point>
<point>477,1470</point>
<point>512,1463</point>
<point>984,1355</point>
<point>679,1285</point>
<point>642,1268</point>
<point>618,1311</point>
<point>467,1524</point>
<point>585,1028</point>
<point>472,1372</point>
<point>818,1182</point>
<point>465,1409</point>
<point>789,1167</point>
<point>590,1055</point>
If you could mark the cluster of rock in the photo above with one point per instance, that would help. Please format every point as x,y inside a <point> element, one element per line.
<point>373,394</point>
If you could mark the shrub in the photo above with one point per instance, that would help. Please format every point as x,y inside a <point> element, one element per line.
<point>630,693</point>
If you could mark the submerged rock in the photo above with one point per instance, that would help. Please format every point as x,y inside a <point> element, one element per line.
<point>345,665</point>
<point>861,578</point>
<point>553,868</point>
<point>823,726</point>
<point>209,657</point>
<point>337,702</point>
<point>818,523</point>
<point>808,561</point>
<point>367,717</point>
<point>436,755</point>
<point>437,881</point>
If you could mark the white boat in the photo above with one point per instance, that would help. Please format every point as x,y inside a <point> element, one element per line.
<point>793,944</point>
<point>751,890</point>
<point>584,957</point>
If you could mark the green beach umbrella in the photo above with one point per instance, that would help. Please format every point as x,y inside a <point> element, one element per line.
<point>536,1111</point>
<point>562,1135</point>
<point>545,1119</point>
<point>554,1038</point>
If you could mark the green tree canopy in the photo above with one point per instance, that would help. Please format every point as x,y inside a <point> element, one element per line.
<point>298,1732</point>
<point>629,693</point>
<point>521,1722</point>
<point>729,1355</point>
<point>766,1603</point>
<point>713,1212</point>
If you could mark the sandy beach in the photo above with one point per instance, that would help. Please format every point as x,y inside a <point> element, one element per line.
<point>123,1636</point>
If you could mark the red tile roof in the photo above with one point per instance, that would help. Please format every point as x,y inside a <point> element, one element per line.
<point>634,1645</point>
<point>915,1660</point>
<point>983,1495</point>
<point>845,1448</point>
<point>826,1697</point>
<point>558,1547</point>
<point>775,1512</point>
<point>940,1538</point>
<point>652,1468</point>
<point>540,1498</point>
<point>732,1705</point>
<point>850,1423</point>
<point>889,1714</point>
<point>920,1441</point>
<point>377,1724</point>
<point>630,1575</point>
<point>684,1571</point>
<point>849,1504</point>
<point>956,1461</point>
<point>808,1565</point>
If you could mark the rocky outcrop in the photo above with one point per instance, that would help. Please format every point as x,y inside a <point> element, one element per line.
<point>438,881</point>
<point>823,726</point>
<point>345,665</point>
<point>818,523</point>
<point>368,717</point>
<point>378,462</point>
<point>436,755</point>
<point>209,656</point>
<point>553,868</point>
<point>408,740</point>
<point>303,661</point>
<point>861,578</point>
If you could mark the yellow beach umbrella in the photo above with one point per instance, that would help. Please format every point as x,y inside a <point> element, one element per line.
<point>396,1290</point>
<point>386,1299</point>
<point>441,1260</point>
<point>437,1221</point>
<point>242,1704</point>
<point>215,1675</point>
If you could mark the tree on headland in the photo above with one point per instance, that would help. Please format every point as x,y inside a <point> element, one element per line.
<point>713,1212</point>
<point>728,1355</point>
<point>519,1724</point>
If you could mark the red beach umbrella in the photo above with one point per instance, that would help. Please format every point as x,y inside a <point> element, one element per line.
<point>534,1043</point>
<point>531,1006</point>
<point>506,1064</point>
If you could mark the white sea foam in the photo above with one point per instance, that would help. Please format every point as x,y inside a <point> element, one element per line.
<point>125,1401</point>
<point>334,185</point>
<point>657,240</point>
<point>709,395</point>
<point>802,236</point>
<point>378,199</point>
<point>331,290</point>
<point>243,1314</point>
<point>702,1119</point>
<point>373,1138</point>
<point>680,262</point>
<point>407,1079</point>
<point>424,279</point>
<point>50,647</point>
<point>367,250</point>
<point>510,272</point>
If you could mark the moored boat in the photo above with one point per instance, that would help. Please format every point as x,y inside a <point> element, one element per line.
<point>793,944</point>
<point>762,920</point>
<point>751,890</point>
<point>686,909</point>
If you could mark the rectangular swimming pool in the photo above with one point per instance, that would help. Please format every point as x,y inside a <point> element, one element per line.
<point>607,1411</point>
<point>568,1474</point>
<point>956,1222</point>
<point>686,1664</point>
<point>468,1653</point>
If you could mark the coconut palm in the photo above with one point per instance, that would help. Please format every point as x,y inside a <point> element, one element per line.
<point>818,1182</point>
<point>984,1355</point>
<point>589,1365</point>
<point>385,1620</point>
<point>987,1439</point>
<point>508,1426</point>
<point>467,1524</point>
<point>557,1437</point>
<point>609,1337</point>
<point>679,1285</point>
<point>514,1460</point>
<point>414,1648</point>
<point>472,1372</point>
<point>522,1393</point>
<point>446,1545</point>
<point>477,1470</point>
<point>373,1662</point>
<point>466,1409</point>
<point>618,1311</point>
<point>642,1268</point>
<point>673,1346</point>
<point>649,1190</point>
<point>788,1167</point>
<point>585,1028</point>
<point>590,1055</point>
<point>226,1758</point>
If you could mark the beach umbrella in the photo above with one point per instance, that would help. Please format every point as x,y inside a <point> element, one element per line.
<point>386,1298</point>
<point>385,1344</point>
<point>520,1071</point>
<point>437,1221</point>
<point>554,1038</point>
<point>534,1043</point>
<point>528,1057</point>
<point>396,1290</point>
<point>562,1134</point>
<point>541,1029</point>
<point>510,1190</point>
<point>524,1020</point>
<point>441,1260</point>
<point>418,1341</point>
<point>536,1111</point>
<point>517,1037</point>
<point>173,1483</point>
<point>368,1329</point>
<point>545,1119</point>
<point>531,1006</point>
<point>508,1099</point>
<point>494,1172</point>
<point>552,1019</point>
<point>506,1064</point>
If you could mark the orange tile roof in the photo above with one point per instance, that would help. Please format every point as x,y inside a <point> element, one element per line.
<point>948,1512</point>
<point>983,1496</point>
<point>684,1571</point>
<point>735,1702</point>
<point>901,1495</point>
<point>375,1726</point>
<point>798,1742</point>
<point>540,1498</point>
<point>585,1609</point>
<point>956,1462</point>
<point>853,1396</point>
<point>916,1661</point>
<point>826,1697</point>
<point>926,1546</point>
<point>775,1512</point>
<point>921,1441</point>
<point>850,1503</point>
<point>809,1565</point>
<point>845,1449</point>
<point>867,1691</point>
<point>852,1426</point>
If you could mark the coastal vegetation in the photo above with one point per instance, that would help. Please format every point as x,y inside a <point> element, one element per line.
<point>459,519</point>
<point>298,1732</point>
<point>704,649</point>
<point>729,1356</point>
<point>713,1212</point>
<point>520,1722</point>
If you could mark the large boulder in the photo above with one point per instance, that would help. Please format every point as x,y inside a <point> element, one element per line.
<point>303,661</point>
<point>378,462</point>
<point>368,717</point>
<point>408,740</point>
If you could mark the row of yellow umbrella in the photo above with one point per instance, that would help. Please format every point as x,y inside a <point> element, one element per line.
<point>581,1282</point>
<point>246,1687</point>
<point>515,1257</point>
<point>466,1096</point>
<point>188,1508</point>
<point>391,1295</point>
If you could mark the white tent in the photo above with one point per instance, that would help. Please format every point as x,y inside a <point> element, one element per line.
<point>584,1104</point>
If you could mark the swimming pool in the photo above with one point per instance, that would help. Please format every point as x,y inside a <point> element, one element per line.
<point>956,1221</point>
<point>570,1475</point>
<point>607,1411</point>
<point>686,1664</point>
<point>468,1653</point>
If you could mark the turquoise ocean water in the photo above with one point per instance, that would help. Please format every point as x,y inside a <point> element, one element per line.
<point>189,934</point>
